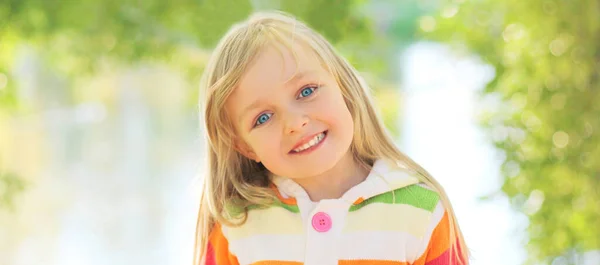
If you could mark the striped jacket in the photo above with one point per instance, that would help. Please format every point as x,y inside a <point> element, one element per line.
<point>389,219</point>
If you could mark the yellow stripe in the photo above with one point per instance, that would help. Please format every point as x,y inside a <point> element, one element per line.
<point>389,217</point>
<point>270,221</point>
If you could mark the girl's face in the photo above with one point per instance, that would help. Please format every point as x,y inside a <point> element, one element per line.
<point>290,114</point>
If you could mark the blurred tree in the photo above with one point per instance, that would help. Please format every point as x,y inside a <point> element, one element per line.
<point>82,36</point>
<point>547,59</point>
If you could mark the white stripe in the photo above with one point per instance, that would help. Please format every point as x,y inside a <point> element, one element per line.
<point>378,245</point>
<point>271,221</point>
<point>436,217</point>
<point>268,247</point>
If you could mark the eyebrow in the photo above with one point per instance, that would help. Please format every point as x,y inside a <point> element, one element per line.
<point>248,108</point>
<point>293,80</point>
<point>301,75</point>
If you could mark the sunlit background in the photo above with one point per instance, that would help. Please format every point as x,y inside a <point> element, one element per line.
<point>101,148</point>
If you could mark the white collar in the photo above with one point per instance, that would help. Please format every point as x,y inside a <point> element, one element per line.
<point>385,176</point>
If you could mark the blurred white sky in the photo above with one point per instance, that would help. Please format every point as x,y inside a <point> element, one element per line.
<point>441,133</point>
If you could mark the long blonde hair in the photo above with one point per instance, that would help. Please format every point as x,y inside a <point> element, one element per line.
<point>234,178</point>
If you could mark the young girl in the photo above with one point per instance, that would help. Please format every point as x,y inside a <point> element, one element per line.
<point>301,169</point>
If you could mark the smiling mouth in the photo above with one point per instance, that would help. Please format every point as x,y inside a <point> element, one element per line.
<point>310,145</point>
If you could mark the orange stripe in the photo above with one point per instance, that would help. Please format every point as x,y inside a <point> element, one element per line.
<point>359,201</point>
<point>440,239</point>
<point>371,262</point>
<point>221,247</point>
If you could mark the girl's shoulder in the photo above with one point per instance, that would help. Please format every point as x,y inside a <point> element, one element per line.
<point>417,196</point>
<point>391,184</point>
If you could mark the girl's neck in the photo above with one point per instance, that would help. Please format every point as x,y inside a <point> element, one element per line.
<point>332,184</point>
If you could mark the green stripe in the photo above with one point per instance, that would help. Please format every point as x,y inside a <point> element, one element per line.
<point>413,195</point>
<point>291,208</point>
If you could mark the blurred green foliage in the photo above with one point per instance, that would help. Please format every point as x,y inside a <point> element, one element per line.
<point>80,37</point>
<point>547,59</point>
<point>10,185</point>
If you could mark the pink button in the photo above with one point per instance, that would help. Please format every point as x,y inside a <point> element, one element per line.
<point>321,222</point>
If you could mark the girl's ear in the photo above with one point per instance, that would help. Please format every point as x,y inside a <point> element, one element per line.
<point>242,148</point>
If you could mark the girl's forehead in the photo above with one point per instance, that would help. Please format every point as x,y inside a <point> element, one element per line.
<point>278,64</point>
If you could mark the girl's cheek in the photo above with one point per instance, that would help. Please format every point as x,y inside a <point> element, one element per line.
<point>266,140</point>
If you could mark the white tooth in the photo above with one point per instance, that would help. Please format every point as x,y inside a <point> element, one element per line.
<point>311,143</point>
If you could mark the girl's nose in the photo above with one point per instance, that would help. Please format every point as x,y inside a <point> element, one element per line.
<point>295,122</point>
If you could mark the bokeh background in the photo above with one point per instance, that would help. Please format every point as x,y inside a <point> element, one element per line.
<point>101,146</point>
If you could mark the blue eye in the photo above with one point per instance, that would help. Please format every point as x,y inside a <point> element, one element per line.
<point>263,118</point>
<point>305,92</point>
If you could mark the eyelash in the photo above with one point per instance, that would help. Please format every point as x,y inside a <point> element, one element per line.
<point>299,96</point>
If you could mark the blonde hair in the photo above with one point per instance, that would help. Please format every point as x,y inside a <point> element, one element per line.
<point>235,179</point>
